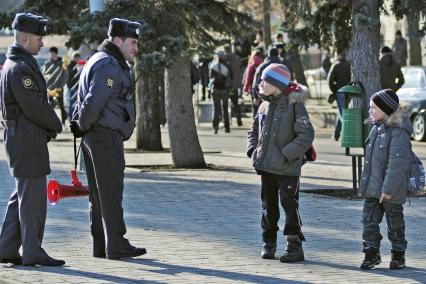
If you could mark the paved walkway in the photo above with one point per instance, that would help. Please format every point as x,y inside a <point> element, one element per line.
<point>202,226</point>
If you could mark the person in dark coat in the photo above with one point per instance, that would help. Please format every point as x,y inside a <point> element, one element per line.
<point>74,72</point>
<point>339,76</point>
<point>220,74</point>
<point>399,48</point>
<point>326,62</point>
<point>280,135</point>
<point>56,77</point>
<point>234,63</point>
<point>29,123</point>
<point>385,178</point>
<point>104,116</point>
<point>391,76</point>
<point>203,66</point>
<point>273,57</point>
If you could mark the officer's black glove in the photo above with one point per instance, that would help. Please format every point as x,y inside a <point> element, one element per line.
<point>51,135</point>
<point>250,152</point>
<point>75,129</point>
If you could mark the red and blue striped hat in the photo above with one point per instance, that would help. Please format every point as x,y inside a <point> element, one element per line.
<point>277,75</point>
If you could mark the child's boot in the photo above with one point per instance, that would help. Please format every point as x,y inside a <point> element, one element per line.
<point>372,257</point>
<point>268,250</point>
<point>294,251</point>
<point>398,260</point>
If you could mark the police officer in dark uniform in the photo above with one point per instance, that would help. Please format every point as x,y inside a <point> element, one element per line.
<point>105,116</point>
<point>29,124</point>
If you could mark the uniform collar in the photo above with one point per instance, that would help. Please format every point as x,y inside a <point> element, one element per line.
<point>110,48</point>
<point>16,51</point>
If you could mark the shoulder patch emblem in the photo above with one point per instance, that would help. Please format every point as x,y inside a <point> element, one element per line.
<point>27,82</point>
<point>110,82</point>
<point>304,122</point>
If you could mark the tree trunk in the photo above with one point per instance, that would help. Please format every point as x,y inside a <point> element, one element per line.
<point>184,144</point>
<point>297,67</point>
<point>163,119</point>
<point>148,133</point>
<point>365,46</point>
<point>266,24</point>
<point>414,48</point>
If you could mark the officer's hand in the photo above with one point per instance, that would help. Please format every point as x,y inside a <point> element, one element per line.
<point>75,129</point>
<point>250,152</point>
<point>51,135</point>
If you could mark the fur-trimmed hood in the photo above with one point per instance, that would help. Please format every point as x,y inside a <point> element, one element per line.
<point>297,93</point>
<point>400,118</point>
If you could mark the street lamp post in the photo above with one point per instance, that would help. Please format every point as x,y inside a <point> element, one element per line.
<point>96,6</point>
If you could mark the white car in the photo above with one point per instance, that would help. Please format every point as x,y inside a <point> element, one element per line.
<point>414,92</point>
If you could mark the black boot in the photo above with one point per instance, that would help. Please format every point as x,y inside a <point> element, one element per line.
<point>372,258</point>
<point>268,250</point>
<point>398,260</point>
<point>239,121</point>
<point>294,251</point>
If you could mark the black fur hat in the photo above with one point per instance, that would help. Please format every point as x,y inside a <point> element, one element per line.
<point>124,28</point>
<point>30,23</point>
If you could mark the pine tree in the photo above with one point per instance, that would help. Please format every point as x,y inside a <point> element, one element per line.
<point>172,31</point>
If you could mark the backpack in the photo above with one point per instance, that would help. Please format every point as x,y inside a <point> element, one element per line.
<point>417,176</point>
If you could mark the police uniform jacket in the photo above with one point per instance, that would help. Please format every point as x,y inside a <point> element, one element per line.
<point>29,120</point>
<point>105,94</point>
<point>281,133</point>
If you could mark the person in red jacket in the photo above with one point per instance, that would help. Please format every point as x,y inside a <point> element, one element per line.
<point>256,59</point>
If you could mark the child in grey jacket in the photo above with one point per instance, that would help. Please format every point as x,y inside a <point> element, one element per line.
<point>385,177</point>
<point>280,135</point>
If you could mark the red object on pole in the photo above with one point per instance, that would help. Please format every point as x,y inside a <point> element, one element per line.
<point>57,191</point>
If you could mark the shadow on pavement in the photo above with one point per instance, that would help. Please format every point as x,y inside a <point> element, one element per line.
<point>410,273</point>
<point>173,269</point>
<point>84,274</point>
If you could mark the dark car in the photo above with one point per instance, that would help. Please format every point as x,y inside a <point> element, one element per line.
<point>414,93</point>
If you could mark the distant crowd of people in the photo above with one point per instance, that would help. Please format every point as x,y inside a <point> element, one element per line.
<point>62,77</point>
<point>235,70</point>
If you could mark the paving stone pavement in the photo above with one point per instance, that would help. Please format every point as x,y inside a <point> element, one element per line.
<point>203,226</point>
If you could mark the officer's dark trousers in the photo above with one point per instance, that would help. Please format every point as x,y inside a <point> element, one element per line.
<point>286,188</point>
<point>235,106</point>
<point>104,160</point>
<point>372,216</point>
<point>220,102</point>
<point>25,220</point>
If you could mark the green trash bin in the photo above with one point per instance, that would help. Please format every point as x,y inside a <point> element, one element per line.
<point>352,128</point>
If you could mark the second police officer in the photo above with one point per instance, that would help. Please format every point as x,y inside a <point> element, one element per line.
<point>105,116</point>
<point>29,122</point>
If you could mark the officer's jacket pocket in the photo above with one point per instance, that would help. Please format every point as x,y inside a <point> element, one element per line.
<point>33,137</point>
<point>12,142</point>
